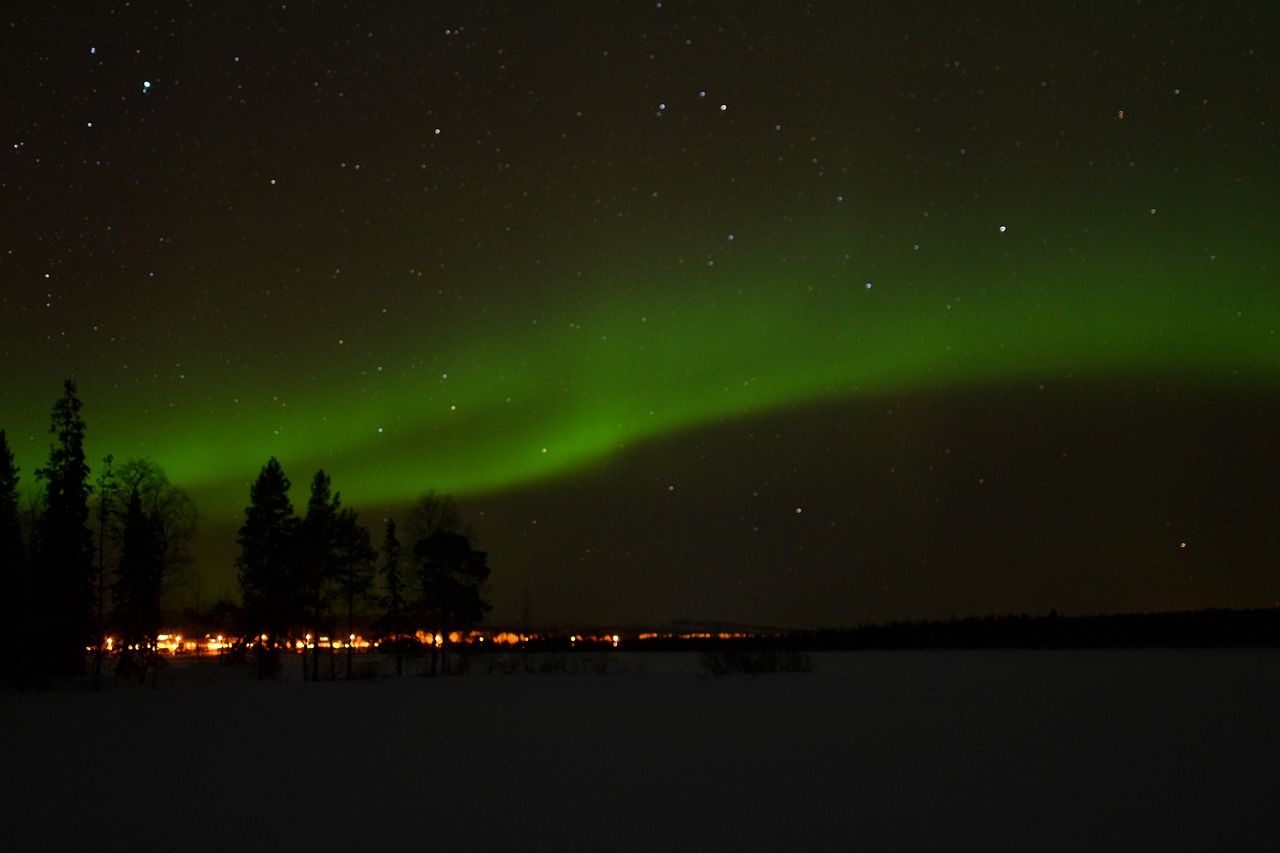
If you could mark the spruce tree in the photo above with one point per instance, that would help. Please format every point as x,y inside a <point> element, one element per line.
<point>64,558</point>
<point>266,541</point>
<point>317,556</point>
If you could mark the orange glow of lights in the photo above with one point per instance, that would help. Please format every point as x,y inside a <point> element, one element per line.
<point>170,643</point>
<point>510,639</point>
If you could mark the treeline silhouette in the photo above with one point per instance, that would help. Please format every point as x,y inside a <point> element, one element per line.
<point>1216,628</point>
<point>86,564</point>
<point>1212,628</point>
<point>68,575</point>
<point>82,561</point>
<point>295,572</point>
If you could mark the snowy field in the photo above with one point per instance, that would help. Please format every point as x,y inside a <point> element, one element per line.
<point>1014,750</point>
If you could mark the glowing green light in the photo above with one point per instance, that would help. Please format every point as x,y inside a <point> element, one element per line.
<point>513,401</point>
<point>532,403</point>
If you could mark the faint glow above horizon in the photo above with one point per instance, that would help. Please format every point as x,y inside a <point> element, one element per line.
<point>483,409</point>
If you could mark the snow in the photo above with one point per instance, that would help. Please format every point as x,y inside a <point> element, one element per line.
<point>1062,750</point>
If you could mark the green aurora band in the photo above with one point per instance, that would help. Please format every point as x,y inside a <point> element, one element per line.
<point>524,402</point>
<point>538,401</point>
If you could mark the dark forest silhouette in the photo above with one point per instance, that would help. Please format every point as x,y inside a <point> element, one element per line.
<point>295,571</point>
<point>84,567</point>
<point>49,577</point>
<point>82,562</point>
<point>67,585</point>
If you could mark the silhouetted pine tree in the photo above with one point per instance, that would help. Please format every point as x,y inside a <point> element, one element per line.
<point>393,583</point>
<point>317,557</point>
<point>63,583</point>
<point>266,541</point>
<point>13,574</point>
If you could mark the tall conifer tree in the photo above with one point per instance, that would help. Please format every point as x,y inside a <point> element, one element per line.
<point>265,563</point>
<point>64,563</point>
<point>317,560</point>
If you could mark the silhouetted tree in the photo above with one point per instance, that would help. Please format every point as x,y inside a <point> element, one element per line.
<point>63,583</point>
<point>451,578</point>
<point>433,513</point>
<point>136,591</point>
<point>266,541</point>
<point>393,583</point>
<point>13,574</point>
<point>317,558</point>
<point>152,532</point>
<point>173,512</point>
<point>226,618</point>
<point>354,568</point>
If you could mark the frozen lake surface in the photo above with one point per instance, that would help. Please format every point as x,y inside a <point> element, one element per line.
<point>1043,750</point>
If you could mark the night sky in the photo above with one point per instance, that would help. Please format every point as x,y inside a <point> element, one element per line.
<point>792,314</point>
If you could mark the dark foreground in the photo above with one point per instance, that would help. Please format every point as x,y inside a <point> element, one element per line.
<point>1045,750</point>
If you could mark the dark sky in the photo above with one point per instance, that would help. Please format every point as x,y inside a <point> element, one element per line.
<point>790,314</point>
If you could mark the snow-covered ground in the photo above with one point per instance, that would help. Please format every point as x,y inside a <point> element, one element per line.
<point>1015,750</point>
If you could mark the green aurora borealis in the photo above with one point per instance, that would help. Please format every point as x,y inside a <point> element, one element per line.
<point>436,274</point>
<point>530,402</point>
